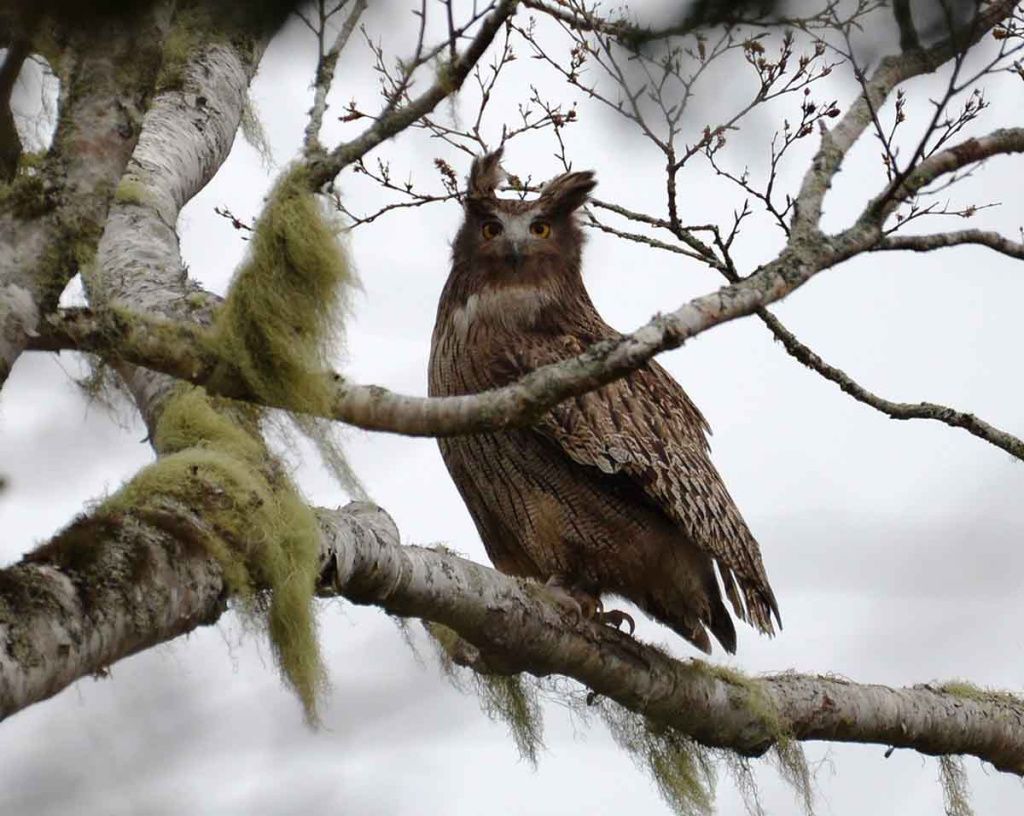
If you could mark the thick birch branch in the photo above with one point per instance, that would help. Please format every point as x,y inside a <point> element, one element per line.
<point>115,585</point>
<point>186,137</point>
<point>50,227</point>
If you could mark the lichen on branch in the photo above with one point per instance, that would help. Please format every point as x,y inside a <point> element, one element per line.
<point>506,697</point>
<point>260,531</point>
<point>282,316</point>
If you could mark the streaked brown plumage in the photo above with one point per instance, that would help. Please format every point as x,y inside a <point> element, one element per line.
<point>611,492</point>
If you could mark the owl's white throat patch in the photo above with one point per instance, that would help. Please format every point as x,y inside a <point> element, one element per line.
<point>501,307</point>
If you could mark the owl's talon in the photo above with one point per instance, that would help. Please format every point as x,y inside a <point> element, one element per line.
<point>564,599</point>
<point>582,605</point>
<point>615,618</point>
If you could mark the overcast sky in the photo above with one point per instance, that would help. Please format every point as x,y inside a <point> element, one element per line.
<point>894,548</point>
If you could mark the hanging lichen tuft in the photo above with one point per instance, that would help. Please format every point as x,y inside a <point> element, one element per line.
<point>682,769</point>
<point>283,314</point>
<point>510,698</point>
<point>956,793</point>
<point>264,536</point>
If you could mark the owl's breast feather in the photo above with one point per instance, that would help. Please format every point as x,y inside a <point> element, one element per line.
<point>508,309</point>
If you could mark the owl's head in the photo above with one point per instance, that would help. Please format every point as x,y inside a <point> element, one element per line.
<point>507,240</point>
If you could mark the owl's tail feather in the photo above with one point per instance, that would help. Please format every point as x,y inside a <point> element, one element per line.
<point>692,604</point>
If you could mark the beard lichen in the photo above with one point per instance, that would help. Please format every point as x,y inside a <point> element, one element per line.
<point>282,315</point>
<point>682,769</point>
<point>956,794</point>
<point>786,753</point>
<point>277,326</point>
<point>969,691</point>
<point>262,534</point>
<point>506,697</point>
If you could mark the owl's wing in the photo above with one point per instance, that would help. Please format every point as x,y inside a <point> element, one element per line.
<point>644,426</point>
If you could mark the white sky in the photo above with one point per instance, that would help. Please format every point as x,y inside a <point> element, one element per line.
<point>894,548</point>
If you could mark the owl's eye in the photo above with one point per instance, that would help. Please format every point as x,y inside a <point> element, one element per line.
<point>540,229</point>
<point>491,229</point>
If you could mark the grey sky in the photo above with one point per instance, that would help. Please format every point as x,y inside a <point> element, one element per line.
<point>894,548</point>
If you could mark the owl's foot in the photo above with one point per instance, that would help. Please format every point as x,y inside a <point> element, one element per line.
<point>581,605</point>
<point>615,618</point>
<point>584,605</point>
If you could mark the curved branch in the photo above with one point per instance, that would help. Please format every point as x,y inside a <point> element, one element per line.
<point>110,586</point>
<point>141,340</point>
<point>891,71</point>
<point>970,151</point>
<point>896,410</point>
<point>325,168</point>
<point>927,243</point>
<point>806,355</point>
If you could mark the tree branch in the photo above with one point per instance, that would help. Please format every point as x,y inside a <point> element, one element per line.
<point>325,168</point>
<point>326,65</point>
<point>905,22</point>
<point>891,71</point>
<point>375,408</point>
<point>896,410</point>
<point>50,227</point>
<point>927,243</point>
<point>10,143</point>
<point>110,586</point>
<point>970,151</point>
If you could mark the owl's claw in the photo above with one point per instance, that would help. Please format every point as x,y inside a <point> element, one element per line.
<point>581,605</point>
<point>615,618</point>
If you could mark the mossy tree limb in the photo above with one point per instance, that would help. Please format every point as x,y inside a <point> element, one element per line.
<point>514,626</point>
<point>264,537</point>
<point>50,635</point>
<point>51,219</point>
<point>211,454</point>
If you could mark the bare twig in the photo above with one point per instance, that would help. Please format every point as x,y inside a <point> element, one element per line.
<point>326,64</point>
<point>327,167</point>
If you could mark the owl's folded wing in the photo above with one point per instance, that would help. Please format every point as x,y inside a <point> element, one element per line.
<point>644,426</point>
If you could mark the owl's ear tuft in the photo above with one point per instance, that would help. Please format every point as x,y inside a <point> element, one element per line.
<point>485,175</point>
<point>567,192</point>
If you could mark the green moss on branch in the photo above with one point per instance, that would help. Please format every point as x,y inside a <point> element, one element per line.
<point>282,315</point>
<point>260,531</point>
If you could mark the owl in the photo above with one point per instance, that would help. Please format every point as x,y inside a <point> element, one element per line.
<point>608,493</point>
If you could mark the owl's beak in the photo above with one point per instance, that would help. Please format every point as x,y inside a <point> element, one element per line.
<point>513,253</point>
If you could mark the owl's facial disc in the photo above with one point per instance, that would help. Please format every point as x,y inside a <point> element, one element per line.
<point>513,236</point>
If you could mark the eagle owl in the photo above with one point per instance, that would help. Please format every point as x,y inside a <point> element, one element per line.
<point>611,492</point>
